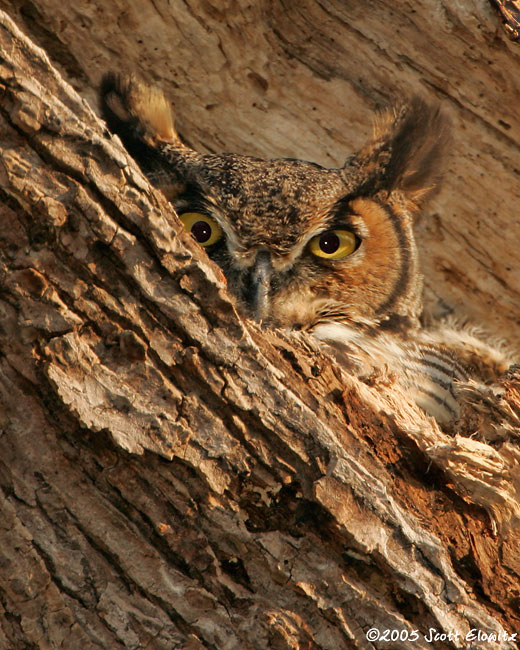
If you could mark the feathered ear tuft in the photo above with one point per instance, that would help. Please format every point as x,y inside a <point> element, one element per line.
<point>405,152</point>
<point>127,104</point>
<point>143,119</point>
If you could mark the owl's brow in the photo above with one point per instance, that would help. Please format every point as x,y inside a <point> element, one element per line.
<point>192,200</point>
<point>340,215</point>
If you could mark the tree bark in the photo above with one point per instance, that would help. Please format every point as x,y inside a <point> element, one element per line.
<point>172,476</point>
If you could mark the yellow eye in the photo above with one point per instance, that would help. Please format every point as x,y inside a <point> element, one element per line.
<point>204,229</point>
<point>333,244</point>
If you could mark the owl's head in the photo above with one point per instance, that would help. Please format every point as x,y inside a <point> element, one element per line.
<point>300,245</point>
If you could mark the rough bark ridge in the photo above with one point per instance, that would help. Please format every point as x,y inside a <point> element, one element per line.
<point>173,477</point>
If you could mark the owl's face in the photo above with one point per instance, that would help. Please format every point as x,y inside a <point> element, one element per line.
<point>300,245</point>
<point>297,245</point>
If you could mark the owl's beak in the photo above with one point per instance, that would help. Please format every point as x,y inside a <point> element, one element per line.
<point>259,286</point>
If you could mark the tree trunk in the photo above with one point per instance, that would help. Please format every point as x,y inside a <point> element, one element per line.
<point>174,477</point>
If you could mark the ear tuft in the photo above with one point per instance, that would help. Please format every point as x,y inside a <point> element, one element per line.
<point>143,119</point>
<point>405,152</point>
<point>128,105</point>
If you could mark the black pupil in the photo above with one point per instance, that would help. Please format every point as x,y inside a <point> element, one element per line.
<point>329,242</point>
<point>201,230</point>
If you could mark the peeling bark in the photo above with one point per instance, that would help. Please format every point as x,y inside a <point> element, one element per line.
<point>172,476</point>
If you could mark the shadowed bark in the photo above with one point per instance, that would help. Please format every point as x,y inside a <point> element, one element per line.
<point>172,476</point>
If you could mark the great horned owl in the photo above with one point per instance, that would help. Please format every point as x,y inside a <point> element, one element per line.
<point>330,251</point>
